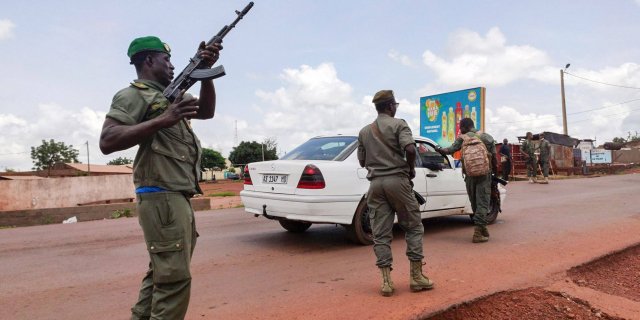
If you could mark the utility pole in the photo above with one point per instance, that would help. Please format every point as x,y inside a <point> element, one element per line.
<point>564,104</point>
<point>88,164</point>
<point>262,145</point>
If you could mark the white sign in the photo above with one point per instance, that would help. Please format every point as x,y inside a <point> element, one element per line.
<point>597,156</point>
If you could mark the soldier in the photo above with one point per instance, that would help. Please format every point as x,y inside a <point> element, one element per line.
<point>545,152</point>
<point>505,159</point>
<point>166,170</point>
<point>478,187</point>
<point>387,149</point>
<point>528,151</point>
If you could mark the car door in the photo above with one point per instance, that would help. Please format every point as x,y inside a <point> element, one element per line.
<point>445,189</point>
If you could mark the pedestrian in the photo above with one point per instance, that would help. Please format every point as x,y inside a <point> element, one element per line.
<point>545,152</point>
<point>166,170</point>
<point>478,185</point>
<point>387,149</point>
<point>505,159</point>
<point>528,152</point>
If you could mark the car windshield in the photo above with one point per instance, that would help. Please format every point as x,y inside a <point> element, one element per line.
<point>326,148</point>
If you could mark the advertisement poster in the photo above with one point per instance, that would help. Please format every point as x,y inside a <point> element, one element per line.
<point>440,114</point>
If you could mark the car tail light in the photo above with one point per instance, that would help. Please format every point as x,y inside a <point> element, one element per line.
<point>247,176</point>
<point>311,178</point>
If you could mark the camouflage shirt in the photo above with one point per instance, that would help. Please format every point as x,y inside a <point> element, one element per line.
<point>170,158</point>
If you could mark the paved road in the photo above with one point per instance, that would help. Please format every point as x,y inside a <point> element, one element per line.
<point>248,268</point>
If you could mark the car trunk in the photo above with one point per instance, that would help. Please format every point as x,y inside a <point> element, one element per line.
<point>281,176</point>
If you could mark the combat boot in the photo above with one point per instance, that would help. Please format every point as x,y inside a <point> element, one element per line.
<point>485,231</point>
<point>478,236</point>
<point>419,281</point>
<point>387,285</point>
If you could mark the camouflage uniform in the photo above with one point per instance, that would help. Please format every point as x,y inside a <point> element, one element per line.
<point>390,190</point>
<point>170,160</point>
<point>478,188</point>
<point>529,148</point>
<point>545,150</point>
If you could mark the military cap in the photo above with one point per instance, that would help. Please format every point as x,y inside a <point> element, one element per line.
<point>383,96</point>
<point>149,43</point>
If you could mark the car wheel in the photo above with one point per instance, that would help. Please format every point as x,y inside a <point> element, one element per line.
<point>492,216</point>
<point>294,226</point>
<point>360,229</point>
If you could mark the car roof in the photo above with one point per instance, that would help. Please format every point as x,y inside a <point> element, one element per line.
<point>417,138</point>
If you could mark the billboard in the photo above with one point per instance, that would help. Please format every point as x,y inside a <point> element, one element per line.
<point>440,114</point>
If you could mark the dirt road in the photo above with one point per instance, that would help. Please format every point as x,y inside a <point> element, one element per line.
<point>248,268</point>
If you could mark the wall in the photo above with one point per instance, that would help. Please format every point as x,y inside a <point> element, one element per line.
<point>22,218</point>
<point>626,156</point>
<point>63,192</point>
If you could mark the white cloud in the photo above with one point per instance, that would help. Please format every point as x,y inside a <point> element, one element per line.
<point>476,60</point>
<point>401,58</point>
<point>6,29</point>
<point>312,101</point>
<point>52,122</point>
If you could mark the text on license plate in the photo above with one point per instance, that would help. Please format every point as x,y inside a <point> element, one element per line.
<point>274,178</point>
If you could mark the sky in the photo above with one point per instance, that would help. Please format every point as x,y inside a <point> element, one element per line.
<point>299,69</point>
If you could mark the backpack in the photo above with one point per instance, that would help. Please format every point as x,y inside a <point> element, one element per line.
<point>475,157</point>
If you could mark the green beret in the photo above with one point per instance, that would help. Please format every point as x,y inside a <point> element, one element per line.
<point>383,96</point>
<point>149,43</point>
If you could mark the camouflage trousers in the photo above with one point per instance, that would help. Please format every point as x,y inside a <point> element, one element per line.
<point>479,191</point>
<point>168,225</point>
<point>544,164</point>
<point>531,166</point>
<point>388,196</point>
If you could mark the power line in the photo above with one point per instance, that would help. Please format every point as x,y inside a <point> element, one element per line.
<point>613,115</point>
<point>600,82</point>
<point>578,112</point>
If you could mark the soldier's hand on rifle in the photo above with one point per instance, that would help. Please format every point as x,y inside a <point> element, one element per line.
<point>180,108</point>
<point>209,54</point>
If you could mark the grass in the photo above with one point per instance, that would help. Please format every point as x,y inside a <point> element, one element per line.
<point>222,194</point>
<point>121,214</point>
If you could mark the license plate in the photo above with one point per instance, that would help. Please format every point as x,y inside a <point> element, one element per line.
<point>274,179</point>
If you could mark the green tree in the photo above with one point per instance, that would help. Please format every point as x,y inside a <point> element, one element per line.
<point>619,140</point>
<point>212,159</point>
<point>247,152</point>
<point>50,152</point>
<point>120,161</point>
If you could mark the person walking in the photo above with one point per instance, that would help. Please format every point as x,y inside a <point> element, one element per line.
<point>166,170</point>
<point>481,157</point>
<point>505,159</point>
<point>387,150</point>
<point>528,151</point>
<point>545,152</point>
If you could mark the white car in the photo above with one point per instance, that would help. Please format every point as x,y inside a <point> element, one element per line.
<point>321,181</point>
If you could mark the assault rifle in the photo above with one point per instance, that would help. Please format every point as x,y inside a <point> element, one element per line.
<point>499,180</point>
<point>191,73</point>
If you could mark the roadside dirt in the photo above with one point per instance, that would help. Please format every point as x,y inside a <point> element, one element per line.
<point>617,274</point>
<point>223,194</point>
<point>527,304</point>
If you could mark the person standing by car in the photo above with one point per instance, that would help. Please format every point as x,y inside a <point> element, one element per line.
<point>166,170</point>
<point>505,159</point>
<point>528,151</point>
<point>478,187</point>
<point>387,149</point>
<point>545,152</point>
